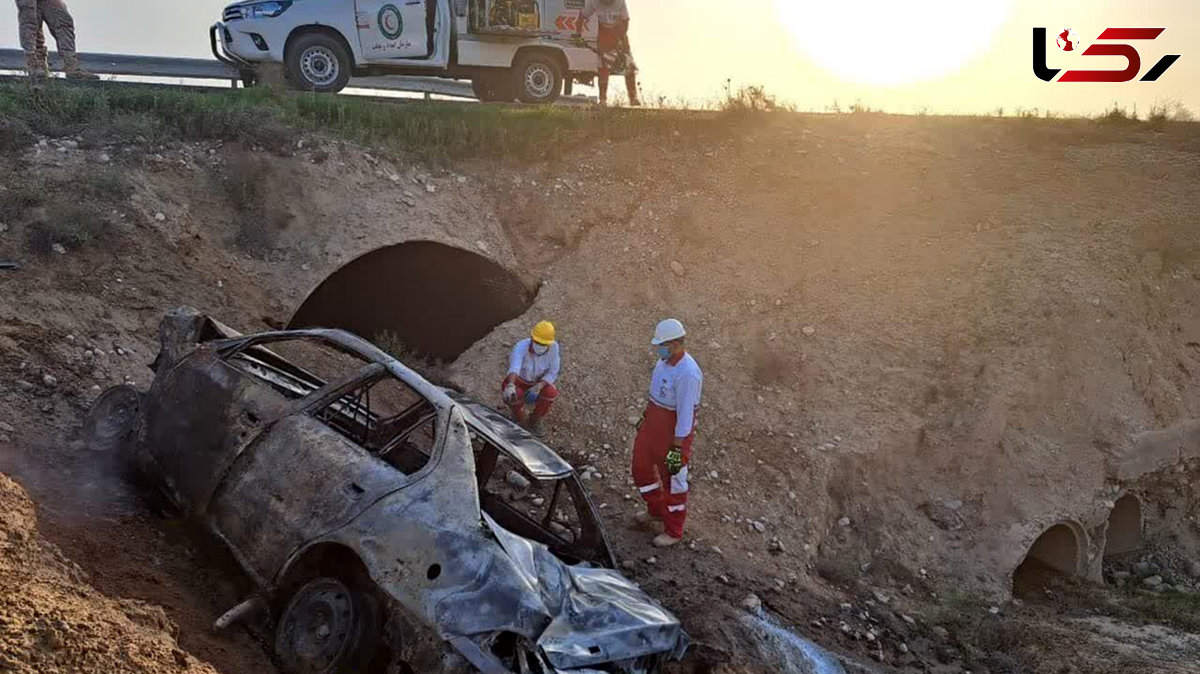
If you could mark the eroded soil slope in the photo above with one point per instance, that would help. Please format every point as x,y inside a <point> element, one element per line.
<point>52,621</point>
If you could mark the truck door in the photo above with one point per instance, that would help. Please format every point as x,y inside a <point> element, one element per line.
<point>394,29</point>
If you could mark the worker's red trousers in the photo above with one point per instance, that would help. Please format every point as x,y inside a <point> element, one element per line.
<point>541,407</point>
<point>666,494</point>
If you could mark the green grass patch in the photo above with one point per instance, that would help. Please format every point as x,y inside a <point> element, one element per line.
<point>1177,609</point>
<point>275,119</point>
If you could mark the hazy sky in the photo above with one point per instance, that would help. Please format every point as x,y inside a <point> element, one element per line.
<point>977,52</point>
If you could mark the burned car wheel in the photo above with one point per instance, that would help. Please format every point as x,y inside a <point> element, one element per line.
<point>327,627</point>
<point>110,422</point>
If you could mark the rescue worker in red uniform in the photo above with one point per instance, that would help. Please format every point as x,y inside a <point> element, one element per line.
<point>533,368</point>
<point>612,42</point>
<point>662,449</point>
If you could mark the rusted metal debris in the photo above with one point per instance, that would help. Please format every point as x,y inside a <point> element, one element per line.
<point>353,490</point>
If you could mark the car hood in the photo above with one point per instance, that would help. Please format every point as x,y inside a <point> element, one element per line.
<point>597,615</point>
<point>577,617</point>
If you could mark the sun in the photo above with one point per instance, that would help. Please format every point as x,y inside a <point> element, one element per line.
<point>892,42</point>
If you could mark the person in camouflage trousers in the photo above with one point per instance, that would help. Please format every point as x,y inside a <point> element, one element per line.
<point>31,14</point>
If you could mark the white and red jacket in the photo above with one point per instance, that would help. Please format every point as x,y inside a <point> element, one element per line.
<point>677,386</point>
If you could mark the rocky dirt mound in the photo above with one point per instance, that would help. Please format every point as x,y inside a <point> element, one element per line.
<point>52,621</point>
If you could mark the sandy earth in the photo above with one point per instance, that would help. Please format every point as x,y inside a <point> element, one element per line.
<point>895,316</point>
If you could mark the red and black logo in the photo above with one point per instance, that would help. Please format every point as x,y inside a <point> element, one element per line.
<point>1067,41</point>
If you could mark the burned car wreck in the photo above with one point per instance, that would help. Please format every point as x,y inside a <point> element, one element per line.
<point>390,524</point>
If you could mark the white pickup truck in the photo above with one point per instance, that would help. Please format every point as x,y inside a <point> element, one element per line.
<point>509,49</point>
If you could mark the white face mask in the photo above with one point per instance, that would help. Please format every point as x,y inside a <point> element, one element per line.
<point>541,349</point>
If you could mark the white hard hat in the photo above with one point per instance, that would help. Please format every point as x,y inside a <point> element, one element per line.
<point>668,331</point>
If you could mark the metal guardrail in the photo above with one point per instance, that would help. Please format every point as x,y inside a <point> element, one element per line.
<point>211,69</point>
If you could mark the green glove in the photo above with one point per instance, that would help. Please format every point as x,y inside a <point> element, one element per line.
<point>675,460</point>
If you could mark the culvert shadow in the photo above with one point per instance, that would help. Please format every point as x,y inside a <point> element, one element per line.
<point>435,299</point>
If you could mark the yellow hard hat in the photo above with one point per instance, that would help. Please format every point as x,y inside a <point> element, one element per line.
<point>543,333</point>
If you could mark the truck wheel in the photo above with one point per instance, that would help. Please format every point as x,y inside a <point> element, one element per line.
<point>327,628</point>
<point>318,62</point>
<point>538,78</point>
<point>493,88</point>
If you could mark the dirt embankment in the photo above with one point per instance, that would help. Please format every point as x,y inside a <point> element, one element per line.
<point>921,339</point>
<point>52,621</point>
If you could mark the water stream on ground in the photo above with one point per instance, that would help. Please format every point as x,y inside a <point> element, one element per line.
<point>790,652</point>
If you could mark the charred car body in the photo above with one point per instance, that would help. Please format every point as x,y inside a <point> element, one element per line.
<point>390,522</point>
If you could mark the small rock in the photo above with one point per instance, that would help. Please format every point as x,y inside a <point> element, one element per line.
<point>1194,568</point>
<point>58,248</point>
<point>49,380</point>
<point>6,428</point>
<point>160,216</point>
<point>714,475</point>
<point>461,180</point>
<point>677,268</point>
<point>24,385</point>
<point>3,227</point>
<point>633,421</point>
<point>808,330</point>
<point>394,178</point>
<point>940,632</point>
<point>903,648</point>
<point>652,560</point>
<point>537,500</point>
<point>758,526</point>
<point>994,610</point>
<point>775,547</point>
<point>104,158</point>
<point>908,619</point>
<point>628,565</point>
<point>716,549</point>
<point>880,597</point>
<point>1152,581</point>
<point>844,522</point>
<point>752,603</point>
<point>4,439</point>
<point>517,480</point>
<point>724,579</point>
<point>431,188</point>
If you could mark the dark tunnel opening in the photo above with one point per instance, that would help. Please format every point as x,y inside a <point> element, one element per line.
<point>437,300</point>
<point>1124,533</point>
<point>1053,556</point>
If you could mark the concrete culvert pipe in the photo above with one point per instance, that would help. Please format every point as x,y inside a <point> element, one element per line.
<point>434,300</point>
<point>1056,553</point>
<point>1124,533</point>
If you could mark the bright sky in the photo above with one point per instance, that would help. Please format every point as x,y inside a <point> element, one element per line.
<point>900,55</point>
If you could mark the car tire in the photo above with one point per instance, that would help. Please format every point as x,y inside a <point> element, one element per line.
<point>493,88</point>
<point>318,62</point>
<point>538,78</point>
<point>327,627</point>
<point>111,422</point>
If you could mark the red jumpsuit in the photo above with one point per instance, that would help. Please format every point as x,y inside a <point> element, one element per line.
<point>545,399</point>
<point>666,495</point>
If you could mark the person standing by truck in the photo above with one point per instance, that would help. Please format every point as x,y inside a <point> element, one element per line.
<point>31,14</point>
<point>533,370</point>
<point>612,43</point>
<point>662,449</point>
